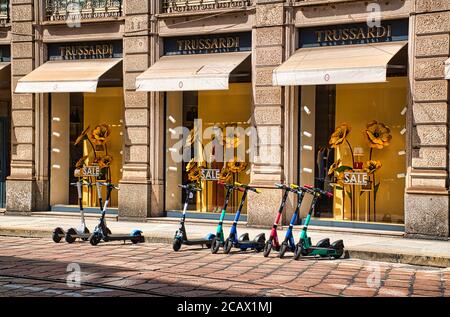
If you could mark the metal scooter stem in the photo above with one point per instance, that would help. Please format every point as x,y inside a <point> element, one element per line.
<point>80,202</point>
<point>99,194</point>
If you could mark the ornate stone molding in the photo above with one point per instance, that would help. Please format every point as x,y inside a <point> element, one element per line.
<point>177,6</point>
<point>62,10</point>
<point>4,12</point>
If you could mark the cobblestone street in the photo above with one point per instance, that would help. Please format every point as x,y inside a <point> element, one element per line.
<point>38,267</point>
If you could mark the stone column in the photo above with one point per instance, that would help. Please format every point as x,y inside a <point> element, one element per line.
<point>268,111</point>
<point>22,193</point>
<point>426,199</point>
<point>135,195</point>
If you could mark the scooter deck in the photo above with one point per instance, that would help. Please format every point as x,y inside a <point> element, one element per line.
<point>119,237</point>
<point>321,251</point>
<point>196,242</point>
<point>248,244</point>
<point>80,235</point>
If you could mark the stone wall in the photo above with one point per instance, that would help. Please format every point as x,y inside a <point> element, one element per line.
<point>22,192</point>
<point>426,199</point>
<point>135,186</point>
<point>268,112</point>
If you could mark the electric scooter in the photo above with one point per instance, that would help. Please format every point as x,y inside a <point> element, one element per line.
<point>72,234</point>
<point>289,241</point>
<point>219,239</point>
<point>243,242</point>
<point>323,248</point>
<point>101,231</point>
<point>82,230</point>
<point>273,242</point>
<point>180,235</point>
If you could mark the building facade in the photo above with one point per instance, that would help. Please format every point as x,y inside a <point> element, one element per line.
<point>346,95</point>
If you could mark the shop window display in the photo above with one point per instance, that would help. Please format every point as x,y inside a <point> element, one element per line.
<point>86,131</point>
<point>214,147</point>
<point>356,147</point>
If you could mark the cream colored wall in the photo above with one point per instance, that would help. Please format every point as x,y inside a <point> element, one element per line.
<point>308,123</point>
<point>60,153</point>
<point>174,170</point>
<point>107,106</point>
<point>384,102</point>
<point>224,107</point>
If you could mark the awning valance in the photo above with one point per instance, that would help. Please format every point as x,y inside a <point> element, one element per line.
<point>190,72</point>
<point>447,69</point>
<point>66,76</point>
<point>350,64</point>
<point>4,65</point>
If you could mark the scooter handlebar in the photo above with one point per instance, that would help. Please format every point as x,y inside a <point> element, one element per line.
<point>285,187</point>
<point>108,184</point>
<point>83,183</point>
<point>246,187</point>
<point>320,191</point>
<point>190,187</point>
<point>230,186</point>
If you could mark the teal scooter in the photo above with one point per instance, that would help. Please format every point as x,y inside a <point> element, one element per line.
<point>323,248</point>
<point>219,239</point>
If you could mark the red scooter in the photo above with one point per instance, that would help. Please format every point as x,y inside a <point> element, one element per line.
<point>273,242</point>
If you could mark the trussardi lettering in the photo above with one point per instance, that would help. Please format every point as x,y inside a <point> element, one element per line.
<point>351,34</point>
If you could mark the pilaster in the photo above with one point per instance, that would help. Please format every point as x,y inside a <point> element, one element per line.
<point>426,199</point>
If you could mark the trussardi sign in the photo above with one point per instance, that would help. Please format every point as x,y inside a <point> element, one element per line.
<point>208,44</point>
<point>85,50</point>
<point>204,44</point>
<point>360,33</point>
<point>355,33</point>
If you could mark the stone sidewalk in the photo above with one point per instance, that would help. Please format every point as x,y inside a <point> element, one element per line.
<point>365,245</point>
<point>39,267</point>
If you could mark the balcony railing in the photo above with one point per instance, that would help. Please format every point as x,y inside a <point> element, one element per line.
<point>73,10</point>
<point>4,12</point>
<point>174,6</point>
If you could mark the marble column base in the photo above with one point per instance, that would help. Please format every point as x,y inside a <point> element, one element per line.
<point>137,201</point>
<point>427,216</point>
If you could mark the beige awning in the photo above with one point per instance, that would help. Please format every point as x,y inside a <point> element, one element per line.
<point>66,76</point>
<point>447,69</point>
<point>190,72</point>
<point>350,64</point>
<point>4,65</point>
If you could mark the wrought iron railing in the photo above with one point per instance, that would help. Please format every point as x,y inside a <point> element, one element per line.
<point>4,12</point>
<point>173,6</point>
<point>73,10</point>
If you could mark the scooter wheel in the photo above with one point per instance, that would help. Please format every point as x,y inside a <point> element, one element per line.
<point>215,245</point>
<point>297,252</point>
<point>94,239</point>
<point>227,246</point>
<point>267,248</point>
<point>57,234</point>
<point>108,232</point>
<point>176,244</point>
<point>69,233</point>
<point>339,253</point>
<point>137,239</point>
<point>283,250</point>
<point>86,231</point>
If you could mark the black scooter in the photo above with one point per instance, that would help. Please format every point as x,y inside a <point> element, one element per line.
<point>180,237</point>
<point>82,231</point>
<point>244,241</point>
<point>72,234</point>
<point>101,231</point>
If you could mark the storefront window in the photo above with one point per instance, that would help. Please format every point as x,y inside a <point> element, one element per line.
<point>208,129</point>
<point>73,113</point>
<point>353,143</point>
